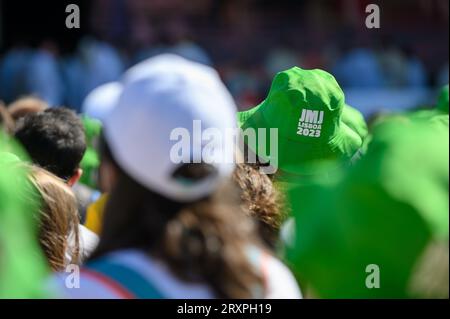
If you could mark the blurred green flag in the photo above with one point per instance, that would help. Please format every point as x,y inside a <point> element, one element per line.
<point>22,266</point>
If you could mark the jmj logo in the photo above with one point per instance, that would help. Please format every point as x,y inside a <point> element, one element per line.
<point>310,123</point>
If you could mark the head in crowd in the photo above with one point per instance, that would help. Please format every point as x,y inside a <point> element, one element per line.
<point>261,201</point>
<point>56,214</point>
<point>314,124</point>
<point>6,121</point>
<point>183,213</point>
<point>55,140</point>
<point>26,105</point>
<point>385,224</point>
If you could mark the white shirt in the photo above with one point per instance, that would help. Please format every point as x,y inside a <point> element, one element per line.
<point>87,241</point>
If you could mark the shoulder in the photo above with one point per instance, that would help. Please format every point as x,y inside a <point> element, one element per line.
<point>279,281</point>
<point>126,274</point>
<point>88,240</point>
<point>82,284</point>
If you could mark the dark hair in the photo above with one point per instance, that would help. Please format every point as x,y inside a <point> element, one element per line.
<point>202,241</point>
<point>54,139</point>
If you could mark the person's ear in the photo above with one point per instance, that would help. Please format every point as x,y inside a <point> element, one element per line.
<point>75,177</point>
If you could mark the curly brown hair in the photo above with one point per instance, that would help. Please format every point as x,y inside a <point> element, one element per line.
<point>262,201</point>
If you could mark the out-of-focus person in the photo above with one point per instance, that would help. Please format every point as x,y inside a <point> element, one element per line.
<point>94,63</point>
<point>171,221</point>
<point>97,105</point>
<point>23,267</point>
<point>13,67</point>
<point>382,231</point>
<point>57,217</point>
<point>262,202</point>
<point>314,126</point>
<point>43,74</point>
<point>26,105</point>
<point>55,140</point>
<point>357,61</point>
<point>318,133</point>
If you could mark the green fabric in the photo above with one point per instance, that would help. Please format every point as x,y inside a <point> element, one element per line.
<point>22,265</point>
<point>91,160</point>
<point>355,120</point>
<point>7,158</point>
<point>295,93</point>
<point>440,110</point>
<point>384,211</point>
<point>442,103</point>
<point>434,116</point>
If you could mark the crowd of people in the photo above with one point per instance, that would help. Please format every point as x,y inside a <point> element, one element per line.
<point>68,79</point>
<point>100,190</point>
<point>247,41</point>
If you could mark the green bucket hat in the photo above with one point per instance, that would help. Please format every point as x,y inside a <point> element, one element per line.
<point>91,160</point>
<point>355,120</point>
<point>384,214</point>
<point>306,107</point>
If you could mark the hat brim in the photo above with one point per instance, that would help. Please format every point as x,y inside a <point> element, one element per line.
<point>243,116</point>
<point>303,161</point>
<point>354,119</point>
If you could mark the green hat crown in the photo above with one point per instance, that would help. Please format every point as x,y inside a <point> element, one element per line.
<point>304,105</point>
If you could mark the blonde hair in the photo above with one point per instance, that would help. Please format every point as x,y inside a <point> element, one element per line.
<point>57,215</point>
<point>25,105</point>
<point>6,121</point>
<point>261,201</point>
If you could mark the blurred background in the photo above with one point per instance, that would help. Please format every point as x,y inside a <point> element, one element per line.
<point>397,66</point>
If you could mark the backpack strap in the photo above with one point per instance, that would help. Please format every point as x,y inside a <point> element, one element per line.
<point>124,281</point>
